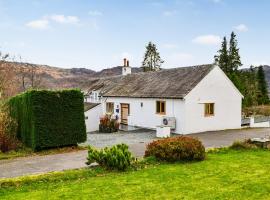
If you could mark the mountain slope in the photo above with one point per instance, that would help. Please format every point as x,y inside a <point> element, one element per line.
<point>57,78</point>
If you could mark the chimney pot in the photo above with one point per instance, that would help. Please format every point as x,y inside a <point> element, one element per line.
<point>125,62</point>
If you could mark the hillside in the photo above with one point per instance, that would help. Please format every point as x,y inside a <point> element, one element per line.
<point>56,78</point>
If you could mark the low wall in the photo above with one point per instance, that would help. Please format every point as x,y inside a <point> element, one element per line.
<point>255,123</point>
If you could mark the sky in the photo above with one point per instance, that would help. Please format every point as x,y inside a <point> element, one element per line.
<point>98,34</point>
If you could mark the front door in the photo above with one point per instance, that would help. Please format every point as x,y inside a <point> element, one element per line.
<point>124,113</point>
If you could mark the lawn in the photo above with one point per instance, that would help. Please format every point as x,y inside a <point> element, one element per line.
<point>225,175</point>
<point>24,152</point>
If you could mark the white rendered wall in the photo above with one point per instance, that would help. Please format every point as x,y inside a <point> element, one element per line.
<point>92,118</point>
<point>214,88</point>
<point>145,116</point>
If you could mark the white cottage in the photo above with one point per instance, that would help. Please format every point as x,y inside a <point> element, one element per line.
<point>189,99</point>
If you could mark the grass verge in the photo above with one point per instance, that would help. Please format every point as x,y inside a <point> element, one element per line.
<point>225,174</point>
<point>23,152</point>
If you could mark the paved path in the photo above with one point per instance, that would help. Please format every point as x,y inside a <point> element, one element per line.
<point>136,141</point>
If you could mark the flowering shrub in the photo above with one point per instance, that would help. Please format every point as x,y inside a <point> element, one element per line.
<point>8,127</point>
<point>108,124</point>
<point>176,149</point>
<point>117,157</point>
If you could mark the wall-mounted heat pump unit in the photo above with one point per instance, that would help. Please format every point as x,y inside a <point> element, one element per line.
<point>169,121</point>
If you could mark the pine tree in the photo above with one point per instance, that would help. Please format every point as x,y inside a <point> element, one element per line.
<point>234,61</point>
<point>262,87</point>
<point>222,59</point>
<point>152,60</point>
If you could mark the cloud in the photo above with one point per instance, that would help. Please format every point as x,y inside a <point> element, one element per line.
<point>44,22</point>
<point>41,24</point>
<point>95,13</point>
<point>169,13</point>
<point>62,19</point>
<point>207,40</point>
<point>241,28</point>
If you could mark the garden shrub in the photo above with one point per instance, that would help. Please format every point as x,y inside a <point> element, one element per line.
<point>8,128</point>
<point>49,118</point>
<point>108,124</point>
<point>117,157</point>
<point>181,148</point>
<point>246,144</point>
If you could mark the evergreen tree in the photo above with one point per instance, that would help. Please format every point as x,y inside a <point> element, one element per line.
<point>222,59</point>
<point>234,60</point>
<point>262,87</point>
<point>152,60</point>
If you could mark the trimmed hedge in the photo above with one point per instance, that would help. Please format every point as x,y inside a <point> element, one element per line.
<point>49,118</point>
<point>173,149</point>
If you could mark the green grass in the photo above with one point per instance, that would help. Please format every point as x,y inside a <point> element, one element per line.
<point>24,151</point>
<point>227,174</point>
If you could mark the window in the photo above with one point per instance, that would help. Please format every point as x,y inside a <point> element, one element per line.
<point>209,109</point>
<point>109,107</point>
<point>161,107</point>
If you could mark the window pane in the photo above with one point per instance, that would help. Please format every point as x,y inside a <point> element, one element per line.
<point>158,107</point>
<point>109,107</point>
<point>162,107</point>
<point>209,109</point>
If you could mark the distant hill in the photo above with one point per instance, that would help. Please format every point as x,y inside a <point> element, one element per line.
<point>58,78</point>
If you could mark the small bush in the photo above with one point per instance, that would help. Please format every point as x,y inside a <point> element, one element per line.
<point>117,157</point>
<point>181,148</point>
<point>108,124</point>
<point>246,144</point>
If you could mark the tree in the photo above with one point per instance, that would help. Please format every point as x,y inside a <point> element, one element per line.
<point>234,60</point>
<point>222,59</point>
<point>152,60</point>
<point>228,58</point>
<point>7,86</point>
<point>30,77</point>
<point>262,87</point>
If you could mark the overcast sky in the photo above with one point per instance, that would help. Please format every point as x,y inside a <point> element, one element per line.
<point>97,34</point>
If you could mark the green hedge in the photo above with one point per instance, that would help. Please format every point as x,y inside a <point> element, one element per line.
<point>49,118</point>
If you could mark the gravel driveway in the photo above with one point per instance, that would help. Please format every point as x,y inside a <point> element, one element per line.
<point>136,140</point>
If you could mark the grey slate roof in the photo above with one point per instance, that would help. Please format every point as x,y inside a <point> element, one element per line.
<point>173,83</point>
<point>89,106</point>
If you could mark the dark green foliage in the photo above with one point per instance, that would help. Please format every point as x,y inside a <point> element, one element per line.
<point>234,57</point>
<point>152,60</point>
<point>49,118</point>
<point>117,157</point>
<point>228,58</point>
<point>176,149</point>
<point>222,58</point>
<point>251,83</point>
<point>262,87</point>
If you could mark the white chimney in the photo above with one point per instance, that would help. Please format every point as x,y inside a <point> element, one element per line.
<point>126,69</point>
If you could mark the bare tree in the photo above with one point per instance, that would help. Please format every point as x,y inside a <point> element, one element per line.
<point>7,75</point>
<point>34,76</point>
